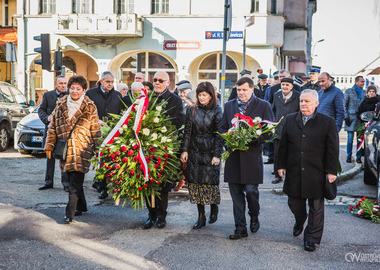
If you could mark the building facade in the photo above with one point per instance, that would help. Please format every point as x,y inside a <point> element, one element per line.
<point>183,38</point>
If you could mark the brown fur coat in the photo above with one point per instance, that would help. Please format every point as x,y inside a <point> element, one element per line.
<point>84,138</point>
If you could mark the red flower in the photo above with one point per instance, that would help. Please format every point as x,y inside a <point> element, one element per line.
<point>156,166</point>
<point>124,148</point>
<point>125,160</point>
<point>158,160</point>
<point>158,183</point>
<point>117,166</point>
<point>145,185</point>
<point>351,208</point>
<point>151,157</point>
<point>159,175</point>
<point>142,168</point>
<point>108,149</point>
<point>166,154</point>
<point>130,153</point>
<point>165,164</point>
<point>112,156</point>
<point>135,146</point>
<point>117,153</point>
<point>101,153</point>
<point>133,196</point>
<point>376,201</point>
<point>135,159</point>
<point>139,188</point>
<point>114,191</point>
<point>260,125</point>
<point>152,180</point>
<point>117,183</point>
<point>148,170</point>
<point>166,148</point>
<point>133,109</point>
<point>363,198</point>
<point>138,175</point>
<point>152,149</point>
<point>132,172</point>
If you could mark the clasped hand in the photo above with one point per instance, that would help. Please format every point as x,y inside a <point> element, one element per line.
<point>215,160</point>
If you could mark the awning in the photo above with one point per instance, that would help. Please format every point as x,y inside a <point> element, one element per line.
<point>8,35</point>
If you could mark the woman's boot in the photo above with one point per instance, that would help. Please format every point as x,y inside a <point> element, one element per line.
<point>213,213</point>
<point>201,217</point>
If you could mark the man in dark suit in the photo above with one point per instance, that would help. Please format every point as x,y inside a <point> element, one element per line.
<point>107,100</point>
<point>46,108</point>
<point>262,86</point>
<point>313,83</point>
<point>157,215</point>
<point>308,155</point>
<point>244,169</point>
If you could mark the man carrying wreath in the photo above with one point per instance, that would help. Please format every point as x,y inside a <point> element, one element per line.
<point>157,215</point>
<point>244,169</point>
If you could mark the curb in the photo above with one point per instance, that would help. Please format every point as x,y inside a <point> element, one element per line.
<point>349,174</point>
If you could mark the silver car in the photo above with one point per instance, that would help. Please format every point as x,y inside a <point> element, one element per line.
<point>29,133</point>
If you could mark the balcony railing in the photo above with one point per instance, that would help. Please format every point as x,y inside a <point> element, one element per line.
<point>98,25</point>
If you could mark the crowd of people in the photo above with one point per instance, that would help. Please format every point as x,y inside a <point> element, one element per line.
<point>304,149</point>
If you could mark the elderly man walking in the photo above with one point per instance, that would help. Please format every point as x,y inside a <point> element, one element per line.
<point>331,99</point>
<point>352,99</point>
<point>244,169</point>
<point>308,155</point>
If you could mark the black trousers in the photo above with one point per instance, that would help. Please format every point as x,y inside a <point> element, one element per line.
<point>239,194</point>
<point>77,201</point>
<point>161,203</point>
<point>315,222</point>
<point>49,176</point>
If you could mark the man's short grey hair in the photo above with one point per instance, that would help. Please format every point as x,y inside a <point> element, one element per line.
<point>312,92</point>
<point>106,74</point>
<point>285,71</point>
<point>137,85</point>
<point>59,77</point>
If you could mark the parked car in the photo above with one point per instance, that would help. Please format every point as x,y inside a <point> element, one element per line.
<point>13,107</point>
<point>29,133</point>
<point>372,150</point>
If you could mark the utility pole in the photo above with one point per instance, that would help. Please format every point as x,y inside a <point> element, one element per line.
<point>226,34</point>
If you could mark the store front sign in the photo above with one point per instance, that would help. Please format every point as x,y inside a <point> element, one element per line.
<point>219,34</point>
<point>181,45</point>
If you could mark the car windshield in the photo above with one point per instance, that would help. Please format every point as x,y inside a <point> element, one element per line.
<point>6,93</point>
<point>20,98</point>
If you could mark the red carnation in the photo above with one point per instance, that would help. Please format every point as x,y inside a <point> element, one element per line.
<point>125,160</point>
<point>363,198</point>
<point>351,208</point>
<point>114,191</point>
<point>166,148</point>
<point>112,156</point>
<point>123,148</point>
<point>130,153</point>
<point>141,168</point>
<point>117,166</point>
<point>145,185</point>
<point>260,126</point>
<point>151,157</point>
<point>117,153</point>
<point>108,149</point>
<point>152,149</point>
<point>133,196</point>
<point>139,188</point>
<point>117,183</point>
<point>148,170</point>
<point>152,180</point>
<point>101,153</point>
<point>133,109</point>
<point>132,172</point>
<point>159,175</point>
<point>138,175</point>
<point>165,164</point>
<point>135,159</point>
<point>135,146</point>
<point>158,183</point>
<point>156,166</point>
<point>166,154</point>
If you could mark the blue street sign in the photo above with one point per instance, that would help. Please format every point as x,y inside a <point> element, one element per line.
<point>219,34</point>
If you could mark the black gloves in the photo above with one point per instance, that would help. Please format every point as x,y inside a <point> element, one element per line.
<point>348,122</point>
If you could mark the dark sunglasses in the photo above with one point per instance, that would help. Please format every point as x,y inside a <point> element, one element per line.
<point>159,80</point>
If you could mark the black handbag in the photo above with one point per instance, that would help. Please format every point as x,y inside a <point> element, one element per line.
<point>329,190</point>
<point>61,146</point>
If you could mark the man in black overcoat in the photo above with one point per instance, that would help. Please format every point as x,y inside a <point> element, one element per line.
<point>308,155</point>
<point>46,108</point>
<point>244,169</point>
<point>157,215</point>
<point>107,100</point>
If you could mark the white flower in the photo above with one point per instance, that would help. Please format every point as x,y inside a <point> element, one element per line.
<point>144,117</point>
<point>163,139</point>
<point>164,129</point>
<point>159,108</point>
<point>154,136</point>
<point>258,132</point>
<point>169,140</point>
<point>155,145</point>
<point>257,119</point>
<point>156,120</point>
<point>269,125</point>
<point>170,152</point>
<point>147,143</point>
<point>124,126</point>
<point>146,131</point>
<point>121,130</point>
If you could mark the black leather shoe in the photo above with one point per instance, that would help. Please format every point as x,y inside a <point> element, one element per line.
<point>238,235</point>
<point>161,223</point>
<point>103,194</point>
<point>68,220</point>
<point>78,213</point>
<point>148,224</point>
<point>201,222</point>
<point>46,186</point>
<point>358,160</point>
<point>255,225</point>
<point>349,160</point>
<point>298,228</point>
<point>213,214</point>
<point>277,180</point>
<point>269,161</point>
<point>66,188</point>
<point>309,246</point>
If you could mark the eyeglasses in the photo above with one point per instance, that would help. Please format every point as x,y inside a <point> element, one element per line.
<point>159,80</point>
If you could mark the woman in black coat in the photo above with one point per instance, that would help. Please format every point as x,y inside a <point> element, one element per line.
<point>202,148</point>
<point>369,103</point>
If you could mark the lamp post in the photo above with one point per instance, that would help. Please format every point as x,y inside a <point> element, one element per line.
<point>312,51</point>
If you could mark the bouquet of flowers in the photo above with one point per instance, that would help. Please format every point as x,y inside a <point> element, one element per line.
<point>244,130</point>
<point>368,209</point>
<point>138,152</point>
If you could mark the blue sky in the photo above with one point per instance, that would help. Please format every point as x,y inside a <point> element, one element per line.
<point>351,29</point>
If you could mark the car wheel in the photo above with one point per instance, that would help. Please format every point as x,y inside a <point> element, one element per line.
<point>369,178</point>
<point>4,138</point>
<point>24,152</point>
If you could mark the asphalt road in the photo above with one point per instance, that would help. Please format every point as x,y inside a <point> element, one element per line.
<point>33,235</point>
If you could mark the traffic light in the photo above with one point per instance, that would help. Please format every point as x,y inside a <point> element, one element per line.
<point>259,71</point>
<point>44,50</point>
<point>57,61</point>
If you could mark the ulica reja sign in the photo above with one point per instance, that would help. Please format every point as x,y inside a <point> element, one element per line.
<point>181,45</point>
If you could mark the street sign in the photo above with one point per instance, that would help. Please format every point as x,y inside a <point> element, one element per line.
<point>181,45</point>
<point>10,52</point>
<point>219,35</point>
